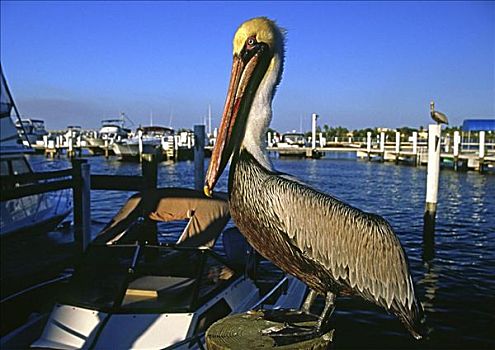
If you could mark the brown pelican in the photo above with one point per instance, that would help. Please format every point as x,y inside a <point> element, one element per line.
<point>437,116</point>
<point>333,247</point>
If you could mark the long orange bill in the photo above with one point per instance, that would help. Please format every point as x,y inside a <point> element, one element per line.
<point>241,76</point>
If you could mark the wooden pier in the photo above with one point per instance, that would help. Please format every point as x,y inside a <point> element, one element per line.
<point>460,156</point>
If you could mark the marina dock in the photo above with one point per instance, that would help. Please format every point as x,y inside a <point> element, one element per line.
<point>469,155</point>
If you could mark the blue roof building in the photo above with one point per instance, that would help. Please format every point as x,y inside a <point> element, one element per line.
<point>478,125</point>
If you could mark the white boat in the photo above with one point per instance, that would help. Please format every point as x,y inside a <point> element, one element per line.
<point>111,131</point>
<point>148,139</point>
<point>292,139</point>
<point>29,214</point>
<point>32,132</point>
<point>132,293</point>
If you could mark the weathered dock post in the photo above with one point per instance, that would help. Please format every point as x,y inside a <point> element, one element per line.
<point>481,159</point>
<point>397,146</point>
<point>314,118</point>
<point>432,177</point>
<point>457,142</point>
<point>149,170</point>
<point>313,153</point>
<point>368,144</point>
<point>245,331</point>
<point>199,157</point>
<point>382,145</point>
<point>81,196</point>
<point>70,147</point>
<point>106,148</point>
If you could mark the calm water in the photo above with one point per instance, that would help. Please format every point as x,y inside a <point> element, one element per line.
<point>456,286</point>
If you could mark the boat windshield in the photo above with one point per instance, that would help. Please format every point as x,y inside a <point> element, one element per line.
<point>134,278</point>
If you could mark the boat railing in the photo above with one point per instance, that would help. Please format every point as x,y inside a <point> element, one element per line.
<point>278,290</point>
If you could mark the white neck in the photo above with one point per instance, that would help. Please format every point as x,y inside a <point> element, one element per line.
<point>260,115</point>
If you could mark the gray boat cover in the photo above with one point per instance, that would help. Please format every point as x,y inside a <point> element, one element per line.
<point>207,216</point>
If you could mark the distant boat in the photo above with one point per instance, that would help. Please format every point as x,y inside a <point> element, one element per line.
<point>111,131</point>
<point>29,214</point>
<point>150,139</point>
<point>292,139</point>
<point>31,132</point>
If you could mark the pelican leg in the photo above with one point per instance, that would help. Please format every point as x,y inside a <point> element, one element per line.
<point>324,320</point>
<point>308,302</point>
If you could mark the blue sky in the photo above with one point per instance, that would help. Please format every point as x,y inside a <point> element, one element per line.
<point>356,64</point>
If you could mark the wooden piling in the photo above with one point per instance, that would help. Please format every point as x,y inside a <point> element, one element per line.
<point>244,331</point>
<point>432,177</point>
<point>106,148</point>
<point>199,157</point>
<point>314,118</point>
<point>81,194</point>
<point>433,170</point>
<point>457,142</point>
<point>368,144</point>
<point>415,147</point>
<point>481,159</point>
<point>140,144</point>
<point>397,146</point>
<point>149,169</point>
<point>382,146</point>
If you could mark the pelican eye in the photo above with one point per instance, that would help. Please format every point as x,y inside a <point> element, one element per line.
<point>250,42</point>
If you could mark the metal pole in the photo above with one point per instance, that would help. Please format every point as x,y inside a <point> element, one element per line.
<point>199,157</point>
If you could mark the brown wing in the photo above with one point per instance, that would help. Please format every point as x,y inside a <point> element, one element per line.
<point>358,249</point>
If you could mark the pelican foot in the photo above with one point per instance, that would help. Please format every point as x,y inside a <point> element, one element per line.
<point>292,326</point>
<point>291,334</point>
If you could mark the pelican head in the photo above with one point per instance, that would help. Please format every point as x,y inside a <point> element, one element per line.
<point>256,71</point>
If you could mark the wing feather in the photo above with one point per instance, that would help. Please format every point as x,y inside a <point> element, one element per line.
<point>358,249</point>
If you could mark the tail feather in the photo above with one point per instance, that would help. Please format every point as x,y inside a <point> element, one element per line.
<point>413,318</point>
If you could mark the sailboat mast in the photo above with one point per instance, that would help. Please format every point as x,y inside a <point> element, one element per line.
<point>209,119</point>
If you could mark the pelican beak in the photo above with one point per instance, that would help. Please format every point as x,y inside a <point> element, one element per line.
<point>248,68</point>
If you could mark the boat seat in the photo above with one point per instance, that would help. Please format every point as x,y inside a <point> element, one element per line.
<point>160,292</point>
<point>207,216</point>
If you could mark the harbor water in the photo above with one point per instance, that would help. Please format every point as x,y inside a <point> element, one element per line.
<point>455,277</point>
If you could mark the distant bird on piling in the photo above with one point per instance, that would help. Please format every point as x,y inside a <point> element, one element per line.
<point>333,247</point>
<point>437,116</point>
